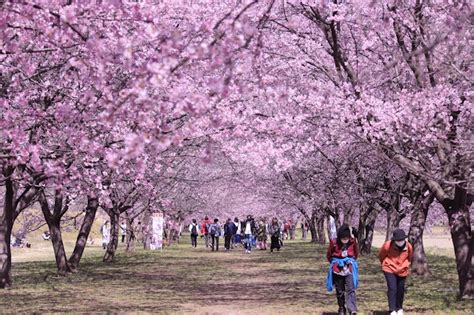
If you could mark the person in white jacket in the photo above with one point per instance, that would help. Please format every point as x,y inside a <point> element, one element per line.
<point>105,231</point>
<point>194,230</point>
<point>236,237</point>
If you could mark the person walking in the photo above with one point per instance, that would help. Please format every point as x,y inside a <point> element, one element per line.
<point>205,225</point>
<point>343,269</point>
<point>248,226</point>
<point>229,228</point>
<point>123,230</point>
<point>395,256</point>
<point>236,232</point>
<point>304,230</point>
<point>292,229</point>
<point>286,230</point>
<point>194,231</point>
<point>275,232</point>
<point>215,232</point>
<point>105,231</point>
<point>262,235</point>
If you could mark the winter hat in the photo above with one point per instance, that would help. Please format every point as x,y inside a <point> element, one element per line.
<point>398,235</point>
<point>344,231</point>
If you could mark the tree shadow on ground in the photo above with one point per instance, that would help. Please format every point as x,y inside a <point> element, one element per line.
<point>181,280</point>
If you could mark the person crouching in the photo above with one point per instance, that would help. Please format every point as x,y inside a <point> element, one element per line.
<point>343,271</point>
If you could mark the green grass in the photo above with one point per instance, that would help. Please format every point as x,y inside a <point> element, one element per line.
<point>185,280</point>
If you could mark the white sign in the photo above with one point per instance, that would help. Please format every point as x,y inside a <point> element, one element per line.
<point>332,228</point>
<point>156,231</point>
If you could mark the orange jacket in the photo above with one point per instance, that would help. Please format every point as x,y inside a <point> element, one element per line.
<point>395,261</point>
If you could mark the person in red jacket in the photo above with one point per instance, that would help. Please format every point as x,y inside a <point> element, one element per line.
<point>395,256</point>
<point>342,254</point>
<point>205,225</point>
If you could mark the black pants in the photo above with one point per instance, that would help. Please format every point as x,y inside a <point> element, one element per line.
<point>194,240</point>
<point>396,291</point>
<point>215,243</point>
<point>227,239</point>
<point>345,288</point>
<point>275,243</point>
<point>123,238</point>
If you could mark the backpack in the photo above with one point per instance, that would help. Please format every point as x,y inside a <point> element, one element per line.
<point>215,231</point>
<point>194,230</point>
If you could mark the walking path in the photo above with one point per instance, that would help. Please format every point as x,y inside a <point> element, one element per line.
<point>185,280</point>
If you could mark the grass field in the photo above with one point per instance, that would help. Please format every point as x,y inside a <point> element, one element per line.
<point>188,281</point>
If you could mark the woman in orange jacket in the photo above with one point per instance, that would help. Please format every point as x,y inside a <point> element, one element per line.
<point>395,256</point>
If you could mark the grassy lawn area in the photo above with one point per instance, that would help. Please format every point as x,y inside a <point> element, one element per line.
<point>185,280</point>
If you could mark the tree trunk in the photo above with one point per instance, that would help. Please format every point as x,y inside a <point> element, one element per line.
<point>5,251</point>
<point>366,244</point>
<point>320,230</point>
<point>314,233</point>
<point>146,230</point>
<point>393,222</point>
<point>6,225</point>
<point>394,216</point>
<point>81,242</point>
<point>130,235</point>
<point>339,218</point>
<point>53,219</point>
<point>348,215</point>
<point>12,207</point>
<point>58,246</point>
<point>313,228</point>
<point>114,235</point>
<point>461,234</point>
<point>366,230</point>
<point>419,264</point>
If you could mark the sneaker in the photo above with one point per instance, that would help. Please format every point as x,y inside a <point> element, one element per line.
<point>400,312</point>
<point>393,313</point>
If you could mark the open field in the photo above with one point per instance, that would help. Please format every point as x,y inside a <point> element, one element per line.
<point>184,280</point>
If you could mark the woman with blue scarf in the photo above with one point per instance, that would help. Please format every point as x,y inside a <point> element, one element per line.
<point>343,269</point>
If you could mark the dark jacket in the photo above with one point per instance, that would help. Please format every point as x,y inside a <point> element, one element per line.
<point>274,230</point>
<point>229,228</point>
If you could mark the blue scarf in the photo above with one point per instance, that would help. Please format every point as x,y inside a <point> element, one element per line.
<point>341,263</point>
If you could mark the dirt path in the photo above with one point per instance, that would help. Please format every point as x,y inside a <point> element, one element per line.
<point>183,280</point>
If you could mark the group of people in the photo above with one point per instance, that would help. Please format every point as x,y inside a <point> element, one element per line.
<point>395,256</point>
<point>248,233</point>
